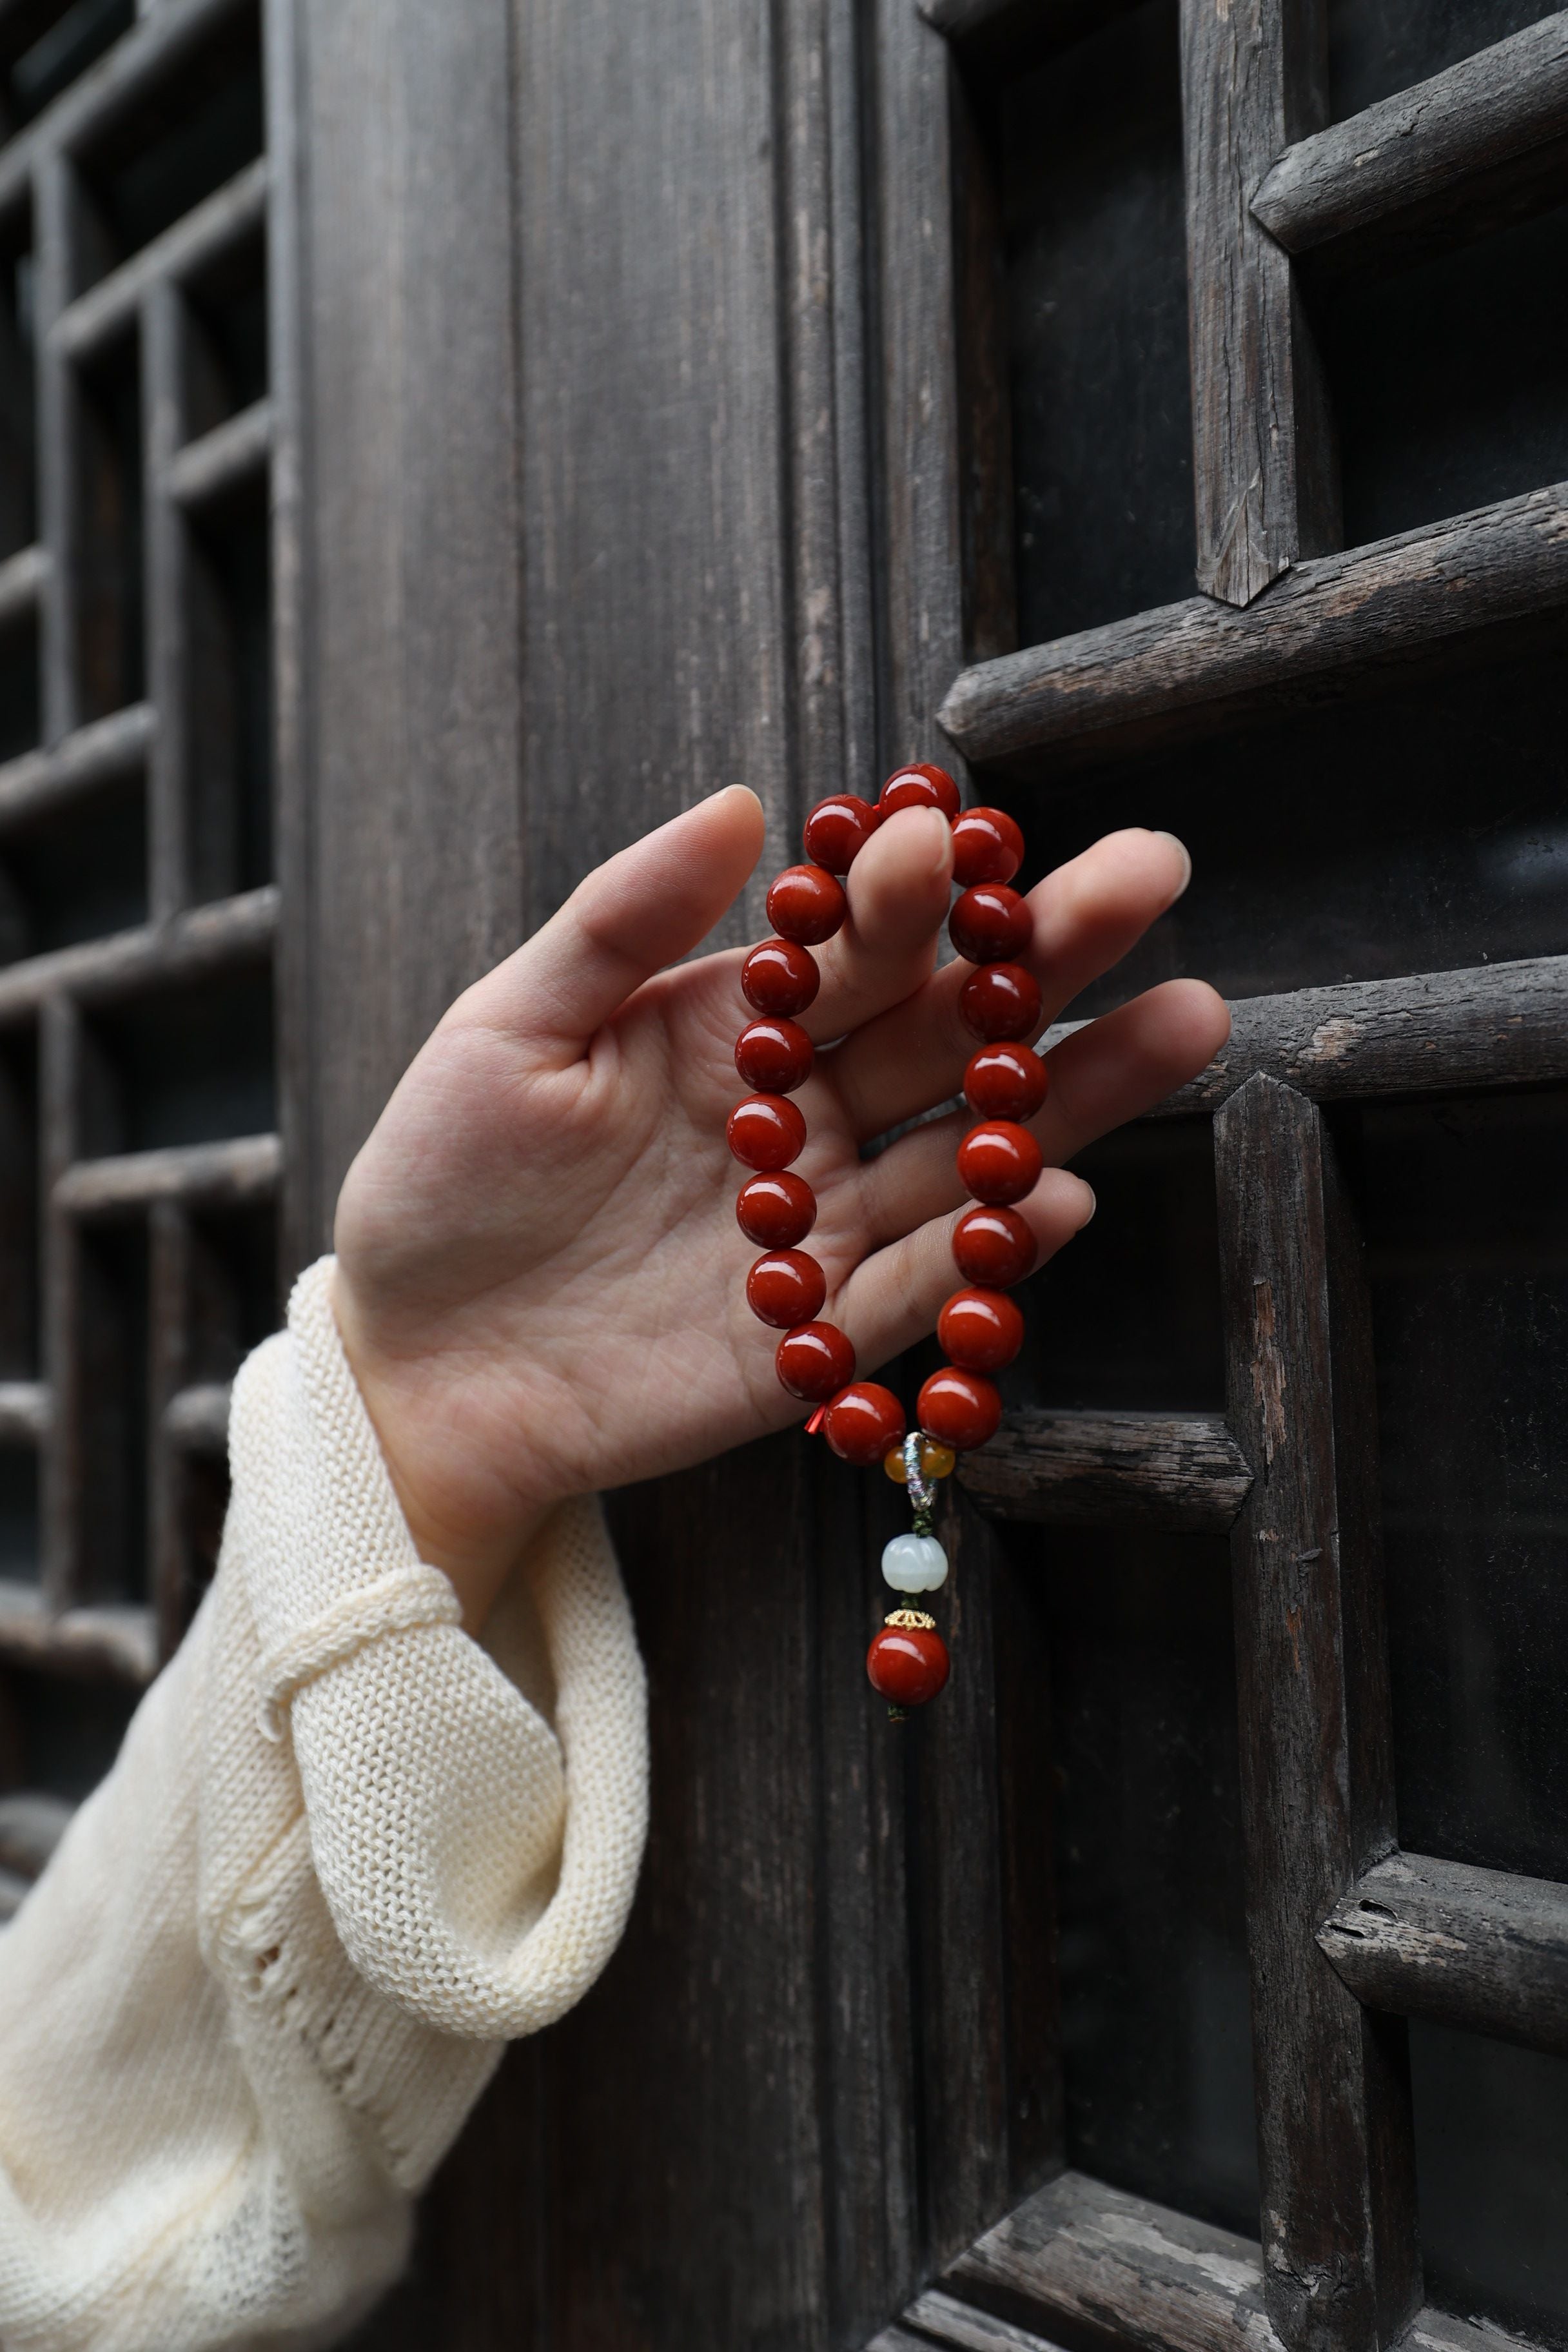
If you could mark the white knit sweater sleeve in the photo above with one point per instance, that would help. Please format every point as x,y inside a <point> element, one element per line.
<point>345,1853</point>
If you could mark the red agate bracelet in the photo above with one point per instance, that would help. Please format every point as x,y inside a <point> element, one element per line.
<point>980,1327</point>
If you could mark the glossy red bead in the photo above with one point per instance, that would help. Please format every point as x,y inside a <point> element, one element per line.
<point>775,1055</point>
<point>987,847</point>
<point>766,1132</point>
<point>990,924</point>
<point>995,1246</point>
<point>999,1163</point>
<point>959,1409</point>
<point>775,1211</point>
<point>1000,1000</point>
<point>784,1288</point>
<point>806,903</point>
<point>815,1361</point>
<point>920,785</point>
<point>980,1331</point>
<point>780,977</point>
<point>864,1423</point>
<point>907,1664</point>
<point>1005,1082</point>
<point>838,830</point>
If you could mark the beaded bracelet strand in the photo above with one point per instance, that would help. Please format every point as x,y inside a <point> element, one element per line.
<point>980,1327</point>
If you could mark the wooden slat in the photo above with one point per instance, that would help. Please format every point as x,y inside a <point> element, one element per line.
<point>1088,2265</point>
<point>1335,2143</point>
<point>1478,1948</point>
<point>166,613</point>
<point>116,1643</point>
<point>226,218</point>
<point>1254,75</point>
<point>230,453</point>
<point>957,2326</point>
<point>230,932</point>
<point>196,1419</point>
<point>231,1174</point>
<point>1453,137</point>
<point>22,580</point>
<point>25,1408</point>
<point>1181,668</point>
<point>1500,1025</point>
<point>116,82</point>
<point>94,755</point>
<point>1117,1469</point>
<point>1091,2261</point>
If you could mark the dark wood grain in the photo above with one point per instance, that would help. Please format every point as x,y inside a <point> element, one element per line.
<point>1335,2146</point>
<point>1090,2266</point>
<point>233,1174</point>
<point>1464,139</point>
<point>1110,1469</point>
<point>915,263</point>
<point>93,755</point>
<point>228,935</point>
<point>1254,75</point>
<point>1165,672</point>
<point>1495,1024</point>
<point>1477,1949</point>
<point>404,824</point>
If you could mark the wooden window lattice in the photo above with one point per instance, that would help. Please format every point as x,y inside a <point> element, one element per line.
<point>136,1193</point>
<point>1345,1930</point>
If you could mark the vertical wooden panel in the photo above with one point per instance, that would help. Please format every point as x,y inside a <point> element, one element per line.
<point>404,876</point>
<point>1334,2133</point>
<point>1254,78</point>
<point>167,782</point>
<point>656,653</point>
<point>922,621</point>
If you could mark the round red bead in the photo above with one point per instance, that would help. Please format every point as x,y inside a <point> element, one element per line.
<point>864,1423</point>
<point>838,830</point>
<point>999,1163</point>
<point>780,977</point>
<point>959,1409</point>
<point>992,1245</point>
<point>990,924</point>
<point>815,1361</point>
<point>920,785</point>
<point>806,903</point>
<point>980,1331</point>
<point>786,1287</point>
<point>775,1055</point>
<point>1005,1082</point>
<point>907,1664</point>
<point>987,847</point>
<point>1000,1000</point>
<point>765,1131</point>
<point>775,1211</point>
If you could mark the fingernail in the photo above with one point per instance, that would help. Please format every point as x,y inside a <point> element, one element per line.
<point>1187,856</point>
<point>1093,1203</point>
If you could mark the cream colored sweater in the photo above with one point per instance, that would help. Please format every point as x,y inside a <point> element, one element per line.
<point>346,1853</point>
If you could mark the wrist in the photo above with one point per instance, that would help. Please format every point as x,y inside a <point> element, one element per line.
<point>472,1526</point>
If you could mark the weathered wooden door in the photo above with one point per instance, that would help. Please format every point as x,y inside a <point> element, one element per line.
<point>653,398</point>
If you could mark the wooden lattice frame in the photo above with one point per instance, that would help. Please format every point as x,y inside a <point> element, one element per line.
<point>192,936</point>
<point>1344,1927</point>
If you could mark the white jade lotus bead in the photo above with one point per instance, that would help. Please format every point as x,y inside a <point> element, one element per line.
<point>914,1564</point>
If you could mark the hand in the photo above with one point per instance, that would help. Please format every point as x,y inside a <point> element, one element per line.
<point>540,1281</point>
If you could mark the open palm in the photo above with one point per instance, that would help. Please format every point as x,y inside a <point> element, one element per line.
<point>540,1275</point>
